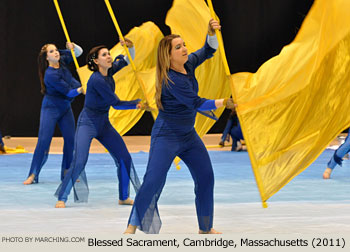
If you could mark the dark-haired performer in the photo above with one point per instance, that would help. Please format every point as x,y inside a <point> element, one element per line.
<point>94,123</point>
<point>59,88</point>
<point>173,133</point>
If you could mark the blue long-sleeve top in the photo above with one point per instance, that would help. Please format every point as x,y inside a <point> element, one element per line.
<point>100,94</point>
<point>180,100</point>
<point>59,82</point>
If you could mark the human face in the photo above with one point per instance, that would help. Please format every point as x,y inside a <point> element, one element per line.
<point>178,53</point>
<point>104,59</point>
<point>52,54</point>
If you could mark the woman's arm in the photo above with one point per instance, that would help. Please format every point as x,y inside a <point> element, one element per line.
<point>209,48</point>
<point>121,61</point>
<point>66,55</point>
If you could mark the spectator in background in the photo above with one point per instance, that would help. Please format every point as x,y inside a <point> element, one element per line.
<point>233,129</point>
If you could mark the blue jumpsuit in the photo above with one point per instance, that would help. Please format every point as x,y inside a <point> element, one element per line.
<point>61,88</point>
<point>233,128</point>
<point>337,158</point>
<point>93,122</point>
<point>173,134</point>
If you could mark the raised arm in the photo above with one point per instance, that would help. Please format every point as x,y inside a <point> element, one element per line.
<point>122,61</point>
<point>66,55</point>
<point>207,51</point>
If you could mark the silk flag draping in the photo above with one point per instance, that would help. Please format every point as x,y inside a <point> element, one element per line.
<point>145,39</point>
<point>298,101</point>
<point>189,19</point>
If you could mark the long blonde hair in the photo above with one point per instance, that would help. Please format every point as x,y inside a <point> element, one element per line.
<point>163,66</point>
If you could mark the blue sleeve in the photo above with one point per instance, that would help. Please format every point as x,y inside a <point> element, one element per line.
<point>104,90</point>
<point>66,56</point>
<point>125,105</point>
<point>56,81</point>
<point>73,93</point>
<point>183,94</point>
<point>207,105</point>
<point>119,63</point>
<point>227,129</point>
<point>198,57</point>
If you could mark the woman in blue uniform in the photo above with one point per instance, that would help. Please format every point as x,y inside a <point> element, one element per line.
<point>337,158</point>
<point>59,89</point>
<point>93,122</point>
<point>173,133</point>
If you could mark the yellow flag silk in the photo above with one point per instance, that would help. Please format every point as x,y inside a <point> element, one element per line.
<point>19,149</point>
<point>189,19</point>
<point>145,39</point>
<point>298,101</point>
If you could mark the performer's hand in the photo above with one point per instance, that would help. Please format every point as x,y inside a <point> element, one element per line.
<point>228,103</point>
<point>127,42</point>
<point>221,143</point>
<point>144,106</point>
<point>70,46</point>
<point>81,90</point>
<point>212,26</point>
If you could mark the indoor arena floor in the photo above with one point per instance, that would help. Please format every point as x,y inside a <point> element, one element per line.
<point>307,205</point>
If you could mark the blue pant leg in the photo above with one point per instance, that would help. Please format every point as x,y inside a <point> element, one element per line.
<point>236,135</point>
<point>67,127</point>
<point>198,162</point>
<point>48,119</point>
<point>145,213</point>
<point>114,143</point>
<point>339,153</point>
<point>83,137</point>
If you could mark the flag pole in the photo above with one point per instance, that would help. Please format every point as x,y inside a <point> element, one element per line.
<point>227,71</point>
<point>65,32</point>
<point>141,84</point>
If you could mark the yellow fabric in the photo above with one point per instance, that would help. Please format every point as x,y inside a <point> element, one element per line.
<point>19,149</point>
<point>146,39</point>
<point>189,19</point>
<point>298,101</point>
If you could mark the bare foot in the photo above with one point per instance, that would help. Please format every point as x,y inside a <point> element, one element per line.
<point>327,173</point>
<point>60,204</point>
<point>212,231</point>
<point>130,230</point>
<point>128,201</point>
<point>29,180</point>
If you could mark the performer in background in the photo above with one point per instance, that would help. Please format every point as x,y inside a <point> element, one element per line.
<point>173,133</point>
<point>93,122</point>
<point>338,157</point>
<point>59,89</point>
<point>233,129</point>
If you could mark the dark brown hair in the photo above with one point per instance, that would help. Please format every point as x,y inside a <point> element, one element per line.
<point>43,65</point>
<point>93,54</point>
